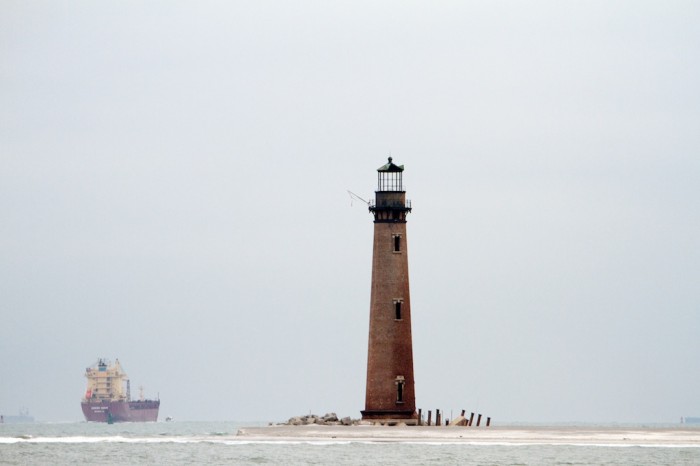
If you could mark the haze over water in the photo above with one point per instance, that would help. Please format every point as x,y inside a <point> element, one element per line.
<point>173,193</point>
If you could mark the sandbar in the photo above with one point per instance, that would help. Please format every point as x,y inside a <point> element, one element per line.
<point>503,435</point>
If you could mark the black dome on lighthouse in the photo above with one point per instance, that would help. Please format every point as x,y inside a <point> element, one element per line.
<point>390,167</point>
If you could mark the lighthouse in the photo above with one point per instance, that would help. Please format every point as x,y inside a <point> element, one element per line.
<point>390,393</point>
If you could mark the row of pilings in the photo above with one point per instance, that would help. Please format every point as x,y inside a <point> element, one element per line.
<point>461,420</point>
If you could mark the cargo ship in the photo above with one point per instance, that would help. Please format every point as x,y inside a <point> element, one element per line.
<point>108,396</point>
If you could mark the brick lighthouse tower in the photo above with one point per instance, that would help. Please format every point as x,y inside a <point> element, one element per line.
<point>390,395</point>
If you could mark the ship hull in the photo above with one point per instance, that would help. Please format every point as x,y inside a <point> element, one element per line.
<point>121,411</point>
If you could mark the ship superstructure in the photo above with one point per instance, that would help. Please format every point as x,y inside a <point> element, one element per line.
<point>107,382</point>
<point>108,396</point>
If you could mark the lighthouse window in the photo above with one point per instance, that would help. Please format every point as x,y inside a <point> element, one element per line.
<point>397,309</point>
<point>397,243</point>
<point>399,388</point>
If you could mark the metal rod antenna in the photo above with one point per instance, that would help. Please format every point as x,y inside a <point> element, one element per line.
<point>355,196</point>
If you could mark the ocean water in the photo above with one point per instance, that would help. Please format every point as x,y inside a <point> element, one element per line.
<point>217,443</point>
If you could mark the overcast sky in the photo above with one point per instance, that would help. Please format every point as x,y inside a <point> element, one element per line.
<point>173,193</point>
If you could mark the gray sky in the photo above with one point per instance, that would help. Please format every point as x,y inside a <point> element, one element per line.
<point>173,193</point>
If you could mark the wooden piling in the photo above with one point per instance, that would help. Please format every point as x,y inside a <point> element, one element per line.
<point>471,420</point>
<point>488,421</point>
<point>478,420</point>
<point>463,412</point>
<point>420,417</point>
<point>438,419</point>
<point>430,415</point>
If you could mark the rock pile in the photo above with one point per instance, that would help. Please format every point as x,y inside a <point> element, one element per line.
<point>329,419</point>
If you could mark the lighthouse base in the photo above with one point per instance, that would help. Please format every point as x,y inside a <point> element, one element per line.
<point>391,417</point>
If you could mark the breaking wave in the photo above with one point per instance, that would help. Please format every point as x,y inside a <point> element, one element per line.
<point>221,439</point>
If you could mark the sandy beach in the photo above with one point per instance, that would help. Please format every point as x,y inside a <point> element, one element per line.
<point>622,436</point>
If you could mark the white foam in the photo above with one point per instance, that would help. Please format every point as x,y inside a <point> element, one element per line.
<point>504,437</point>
